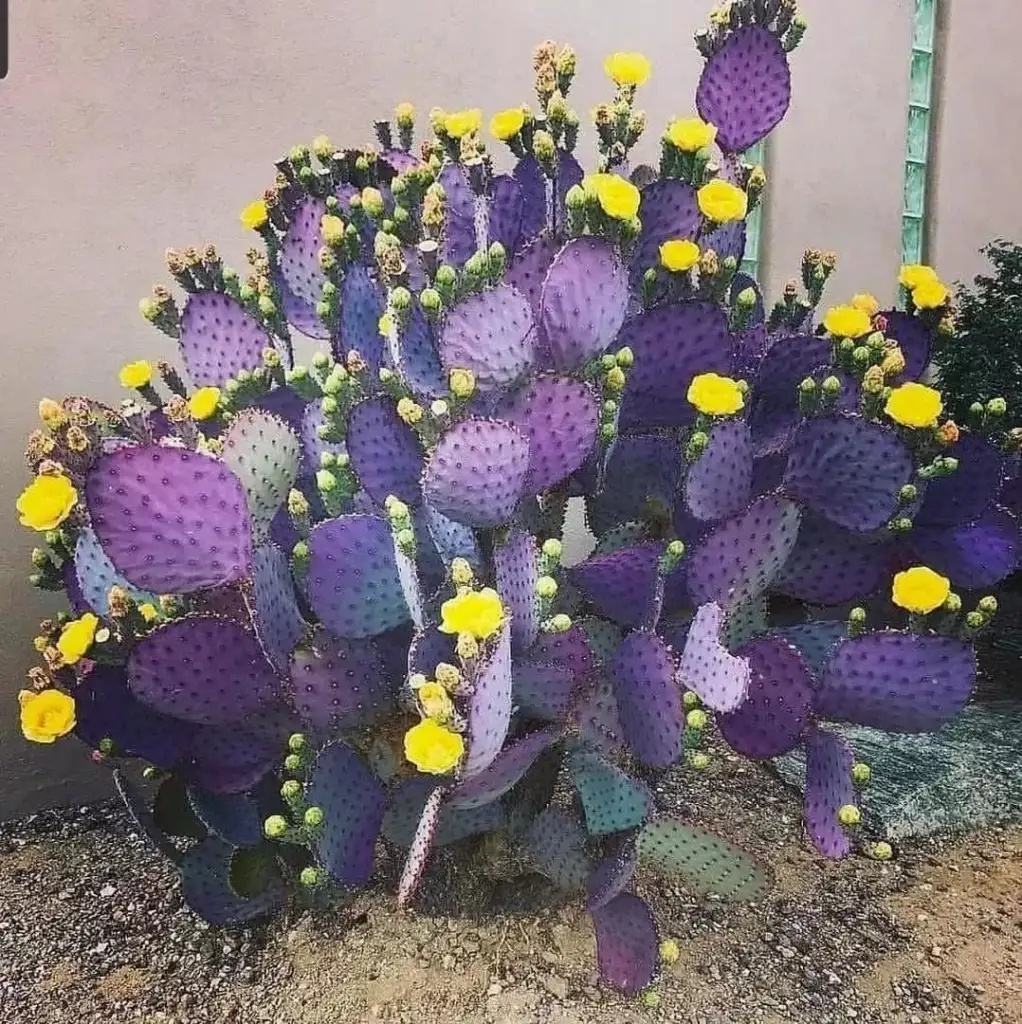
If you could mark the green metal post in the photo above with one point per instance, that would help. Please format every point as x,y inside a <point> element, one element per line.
<point>754,223</point>
<point>920,123</point>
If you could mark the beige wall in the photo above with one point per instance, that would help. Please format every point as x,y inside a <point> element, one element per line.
<point>130,126</point>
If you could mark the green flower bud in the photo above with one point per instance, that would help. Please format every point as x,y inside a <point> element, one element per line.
<point>650,999</point>
<point>372,202</point>
<point>690,699</point>
<point>291,790</point>
<point>857,616</point>
<point>615,379</point>
<point>475,265</point>
<point>310,877</point>
<point>406,541</point>
<point>292,763</point>
<point>697,719</point>
<point>807,386</point>
<point>561,623</point>
<point>977,409</point>
<point>313,817</point>
<point>608,431</point>
<point>953,603</point>
<point>552,548</point>
<point>40,558</point>
<point>746,298</point>
<point>396,508</point>
<point>446,276</point>
<point>400,299</point>
<point>988,605</point>
<point>296,742</point>
<point>849,815</point>
<point>908,494</point>
<point>699,761</point>
<point>625,357</point>
<point>497,257</point>
<point>609,408</point>
<point>575,199</point>
<point>861,773</point>
<point>997,407</point>
<point>861,355</point>
<point>546,587</point>
<point>275,827</point>
<point>676,549</point>
<point>882,851</point>
<point>431,303</point>
<point>439,409</point>
<point>975,620</point>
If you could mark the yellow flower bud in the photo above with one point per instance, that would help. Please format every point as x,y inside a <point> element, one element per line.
<point>409,411</point>
<point>507,124</point>
<point>51,413</point>
<point>462,383</point>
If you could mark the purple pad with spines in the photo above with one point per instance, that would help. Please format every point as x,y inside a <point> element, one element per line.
<point>489,712</point>
<point>384,451</point>
<point>707,668</point>
<point>898,682</point>
<point>719,482</point>
<point>276,617</point>
<point>598,720</point>
<point>978,554</point>
<point>476,473</point>
<point>614,873</point>
<point>362,304</point>
<point>313,446</point>
<point>741,558</point>
<point>206,887</point>
<point>966,493</point>
<point>505,772</point>
<point>406,806</point>
<point>727,241</point>
<point>203,670</point>
<point>815,641</point>
<point>218,338</point>
<point>459,241</point>
<point>828,788</point>
<point>299,253</point>
<point>490,333</point>
<point>914,339</point>
<point>745,88</point>
<point>550,677</point>
<point>585,297</point>
<point>506,205</point>
<point>830,565</point>
<point>451,540</point>
<point>626,943</point>
<point>233,817</point>
<point>774,715</point>
<point>516,566</point>
<point>623,584</point>
<point>671,344</point>
<point>555,843</point>
<point>420,848</point>
<point>171,521</point>
<point>339,683</point>
<point>416,357</point>
<point>353,802</point>
<point>668,210</point>
<point>265,454</point>
<point>559,417</point>
<point>297,312</point>
<point>848,470</point>
<point>353,583</point>
<point>533,182</point>
<point>527,274</point>
<point>95,574</point>
<point>643,672</point>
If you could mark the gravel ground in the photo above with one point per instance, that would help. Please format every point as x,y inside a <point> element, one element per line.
<point>92,929</point>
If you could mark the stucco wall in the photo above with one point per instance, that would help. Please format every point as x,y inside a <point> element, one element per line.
<point>128,127</point>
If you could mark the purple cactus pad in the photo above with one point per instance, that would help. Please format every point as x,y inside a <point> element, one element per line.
<point>555,843</point>
<point>898,682</point>
<point>490,333</point>
<point>384,452</point>
<point>643,672</point>
<point>416,356</point>
<point>218,338</point>
<point>614,873</point>
<point>965,494</point>
<point>668,210</point>
<point>626,943</point>
<point>95,574</point>
<point>489,714</point>
<point>623,584</point>
<point>550,677</point>
<point>506,206</point>
<point>477,472</point>
<point>459,241</point>
<point>773,717</point>
<point>299,314</point>
<point>451,540</point>
<point>528,275</point>
<point>745,88</point>
<point>233,817</point>
<point>353,802</point>
<point>420,848</point>
<point>313,446</point>
<point>815,641</point>
<point>206,886</point>
<point>505,771</point>
<point>203,670</point>
<point>914,339</point>
<point>276,616</point>
<point>727,241</point>
<point>353,582</point>
<point>978,554</point>
<point>560,417</point>
<point>719,482</point>
<point>406,807</point>
<point>719,678</point>
<point>533,182</point>
<point>171,521</point>
<point>829,787</point>
<point>516,564</point>
<point>299,254</point>
<point>362,304</point>
<point>598,720</point>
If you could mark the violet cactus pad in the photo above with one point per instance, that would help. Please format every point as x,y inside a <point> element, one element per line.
<point>219,338</point>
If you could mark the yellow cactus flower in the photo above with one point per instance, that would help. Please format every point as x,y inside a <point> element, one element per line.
<point>385,325</point>
<point>45,715</point>
<point>847,322</point>
<point>867,303</point>
<point>920,590</point>
<point>617,196</point>
<point>914,405</point>
<point>404,113</point>
<point>77,637</point>
<point>679,255</point>
<point>462,383</point>
<point>51,412</point>
<point>204,403</point>
<point>506,124</point>
<point>930,294</point>
<point>914,274</point>
<point>691,134</point>
<point>434,749</point>
<point>714,395</point>
<point>148,611</point>
<point>254,216</point>
<point>722,202</point>
<point>136,375</point>
<point>476,612</point>
<point>46,502</point>
<point>435,702</point>
<point>463,122</point>
<point>627,68</point>
<point>409,411</point>
<point>331,228</point>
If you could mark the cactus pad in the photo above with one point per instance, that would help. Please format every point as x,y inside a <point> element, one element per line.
<point>614,873</point>
<point>829,787</point>
<point>362,305</point>
<point>353,583</point>
<point>719,483</point>
<point>353,803</point>
<point>206,886</point>
<point>585,297</point>
<point>612,801</point>
<point>849,471</point>
<point>299,254</point>
<point>702,861</point>
<point>623,584</point>
<point>276,616</point>
<point>203,670</point>
<point>668,210</point>
<point>233,817</point>
<point>559,416</point>
<point>265,454</point>
<point>977,554</point>
<point>727,241</point>
<point>298,313</point>
<point>313,446</point>
<point>899,682</point>
<point>96,574</point>
<point>506,771</point>
<point>773,717</point>
<point>417,358</point>
<point>549,678</point>
<point>707,668</point>
<point>477,471</point>
<point>218,338</point>
<point>626,943</point>
<point>136,805</point>
<point>555,843</point>
<point>171,521</point>
<point>643,671</point>
<point>914,339</point>
<point>490,333</point>
<point>966,493</point>
<point>384,452</point>
<point>459,215</point>
<point>598,720</point>
<point>451,540</point>
<point>516,564</point>
<point>671,344</point>
<point>527,274</point>
<point>339,683</point>
<point>745,88</point>
<point>420,848</point>
<point>815,641</point>
<point>506,205</point>
<point>829,565</point>
<point>406,807</point>
<point>742,556</point>
<point>489,714</point>
<point>533,182</point>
